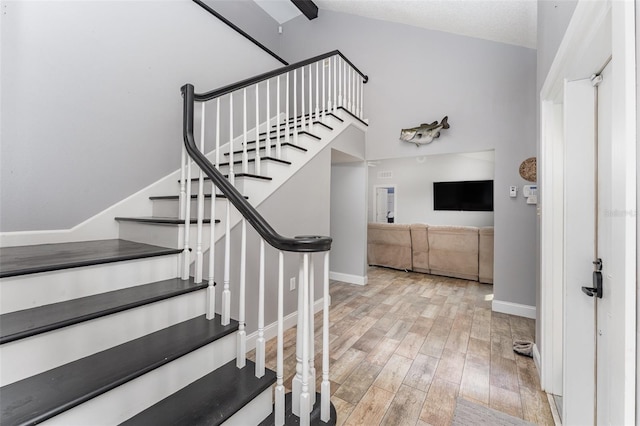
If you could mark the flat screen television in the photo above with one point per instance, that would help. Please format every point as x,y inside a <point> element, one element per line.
<point>471,195</point>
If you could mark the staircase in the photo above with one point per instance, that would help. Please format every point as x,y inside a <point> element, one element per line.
<point>127,330</point>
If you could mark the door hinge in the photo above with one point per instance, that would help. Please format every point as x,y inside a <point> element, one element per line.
<point>596,290</point>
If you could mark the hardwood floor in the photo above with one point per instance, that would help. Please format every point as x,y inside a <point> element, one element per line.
<point>406,345</point>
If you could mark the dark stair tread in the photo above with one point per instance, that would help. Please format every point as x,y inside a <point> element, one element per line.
<point>306,116</point>
<point>353,115</point>
<point>22,260</point>
<point>262,148</point>
<point>45,395</point>
<point>253,160</point>
<point>297,126</point>
<point>292,420</point>
<point>162,220</point>
<point>248,175</point>
<point>210,400</point>
<point>193,196</point>
<point>283,134</point>
<point>30,322</point>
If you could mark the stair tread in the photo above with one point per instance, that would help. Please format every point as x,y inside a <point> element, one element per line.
<point>163,220</point>
<point>253,160</point>
<point>306,116</point>
<point>30,322</point>
<point>45,395</point>
<point>193,196</point>
<point>238,175</point>
<point>22,260</point>
<point>210,400</point>
<point>354,116</point>
<point>262,148</point>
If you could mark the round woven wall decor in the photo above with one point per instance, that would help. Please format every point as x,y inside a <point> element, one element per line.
<point>528,169</point>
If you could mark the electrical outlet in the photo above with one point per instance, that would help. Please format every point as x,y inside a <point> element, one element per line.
<point>292,283</point>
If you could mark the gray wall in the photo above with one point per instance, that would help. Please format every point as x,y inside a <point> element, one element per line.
<point>348,218</point>
<point>251,18</point>
<point>414,177</point>
<point>91,104</point>
<point>487,89</point>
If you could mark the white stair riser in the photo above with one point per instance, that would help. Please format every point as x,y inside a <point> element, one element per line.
<point>254,412</point>
<point>162,235</point>
<point>266,167</point>
<point>33,355</point>
<point>171,208</point>
<point>29,291</point>
<point>288,154</point>
<point>127,400</point>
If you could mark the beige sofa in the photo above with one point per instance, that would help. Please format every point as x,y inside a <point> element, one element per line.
<point>455,251</point>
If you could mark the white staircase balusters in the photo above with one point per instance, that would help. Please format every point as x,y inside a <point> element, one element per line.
<point>211,290</point>
<point>267,151</point>
<point>356,95</point>
<point>279,391</point>
<point>278,148</point>
<point>200,206</point>
<point>361,84</point>
<point>245,157</point>
<point>232,176</point>
<point>241,355</point>
<point>305,400</point>
<point>287,137</point>
<point>217,136</point>
<point>296,382</point>
<point>260,346</point>
<point>186,253</point>
<point>257,154</point>
<point>333,87</point>
<point>350,72</point>
<point>311,328</point>
<point>310,100</point>
<point>226,293</point>
<point>325,387</point>
<point>340,82</point>
<point>323,110</point>
<point>318,91</point>
<point>302,117</point>
<point>295,106</point>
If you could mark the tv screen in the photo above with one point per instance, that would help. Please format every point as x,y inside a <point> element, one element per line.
<point>474,195</point>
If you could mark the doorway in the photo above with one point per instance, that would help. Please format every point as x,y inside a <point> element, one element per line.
<point>384,197</point>
<point>588,187</point>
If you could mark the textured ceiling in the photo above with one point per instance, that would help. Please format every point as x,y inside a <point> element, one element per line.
<point>505,21</point>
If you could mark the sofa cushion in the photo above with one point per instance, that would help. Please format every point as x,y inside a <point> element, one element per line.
<point>420,247</point>
<point>389,245</point>
<point>453,251</point>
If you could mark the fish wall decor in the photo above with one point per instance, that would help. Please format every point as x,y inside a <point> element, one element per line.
<point>425,133</point>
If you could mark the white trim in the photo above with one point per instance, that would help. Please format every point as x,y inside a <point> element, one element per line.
<point>271,330</point>
<point>526,311</point>
<point>348,278</point>
<point>536,359</point>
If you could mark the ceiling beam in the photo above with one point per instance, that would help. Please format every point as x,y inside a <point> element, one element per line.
<point>308,7</point>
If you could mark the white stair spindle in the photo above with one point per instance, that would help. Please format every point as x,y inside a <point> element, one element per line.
<point>295,107</point>
<point>302,118</point>
<point>312,366</point>
<point>211,290</point>
<point>257,155</point>
<point>323,110</point>
<point>339,66</point>
<point>334,65</point>
<point>305,400</point>
<point>329,86</point>
<point>232,176</point>
<point>350,97</point>
<point>278,148</point>
<point>287,138</point>
<point>245,157</point>
<point>260,355</point>
<point>241,354</point>
<point>356,91</point>
<point>268,128</point>
<point>296,382</point>
<point>279,392</point>
<point>226,293</point>
<point>360,112</point>
<point>183,186</point>
<point>186,253</point>
<point>217,135</point>
<point>345,97</point>
<point>200,200</point>
<point>318,90</point>
<point>310,100</point>
<point>325,387</point>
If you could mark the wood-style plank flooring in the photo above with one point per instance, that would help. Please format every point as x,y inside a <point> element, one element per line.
<point>406,345</point>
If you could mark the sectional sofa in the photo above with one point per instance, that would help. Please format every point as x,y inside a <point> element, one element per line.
<point>454,251</point>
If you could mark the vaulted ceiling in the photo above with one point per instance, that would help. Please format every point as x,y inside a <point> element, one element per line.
<point>505,21</point>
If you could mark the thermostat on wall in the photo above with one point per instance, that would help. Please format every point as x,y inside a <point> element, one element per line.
<point>513,191</point>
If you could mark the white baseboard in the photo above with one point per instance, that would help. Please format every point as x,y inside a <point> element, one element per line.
<point>514,309</point>
<point>271,330</point>
<point>348,278</point>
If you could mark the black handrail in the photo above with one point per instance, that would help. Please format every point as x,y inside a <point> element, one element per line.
<point>207,96</point>
<point>302,244</point>
<point>239,30</point>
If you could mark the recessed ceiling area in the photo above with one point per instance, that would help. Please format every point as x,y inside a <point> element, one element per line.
<point>504,21</point>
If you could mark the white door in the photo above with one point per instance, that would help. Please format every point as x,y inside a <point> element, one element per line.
<point>381,205</point>
<point>579,230</point>
<point>605,308</point>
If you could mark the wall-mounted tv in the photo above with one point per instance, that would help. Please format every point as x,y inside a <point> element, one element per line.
<point>473,195</point>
